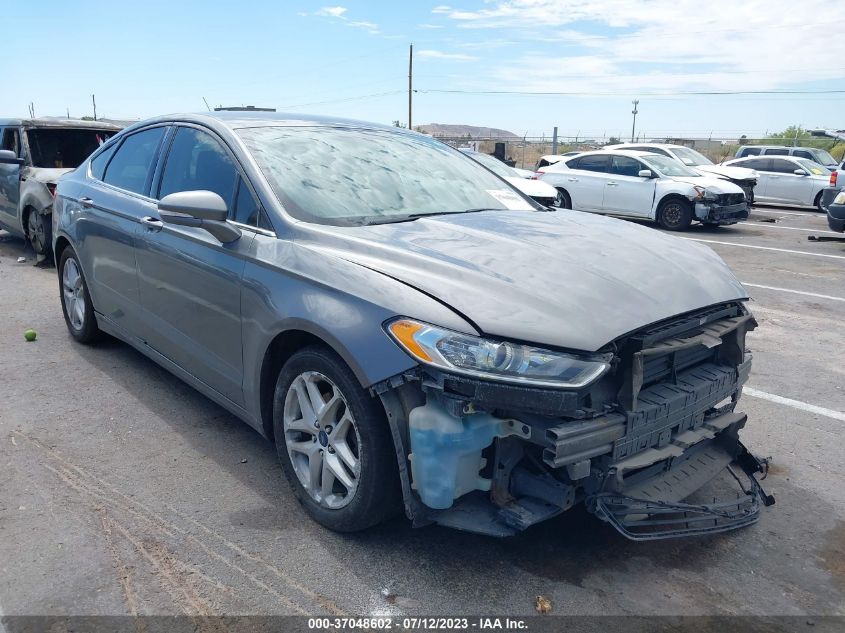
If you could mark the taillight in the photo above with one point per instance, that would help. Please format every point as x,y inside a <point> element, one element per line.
<point>833,176</point>
<point>537,175</point>
<point>51,187</point>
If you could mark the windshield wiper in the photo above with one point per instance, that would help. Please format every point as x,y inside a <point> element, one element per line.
<point>388,219</point>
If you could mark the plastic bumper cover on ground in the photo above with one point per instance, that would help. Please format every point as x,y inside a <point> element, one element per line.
<point>721,214</point>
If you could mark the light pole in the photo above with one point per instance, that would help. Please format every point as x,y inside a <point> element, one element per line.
<point>634,112</point>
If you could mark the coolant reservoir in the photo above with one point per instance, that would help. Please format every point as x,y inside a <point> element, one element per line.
<point>446,453</point>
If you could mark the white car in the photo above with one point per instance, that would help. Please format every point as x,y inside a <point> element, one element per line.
<point>542,192</point>
<point>745,179</point>
<point>551,159</point>
<point>645,185</point>
<point>787,179</point>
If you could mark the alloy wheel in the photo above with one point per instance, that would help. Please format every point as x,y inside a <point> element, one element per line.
<point>73,294</point>
<point>37,233</point>
<point>322,440</point>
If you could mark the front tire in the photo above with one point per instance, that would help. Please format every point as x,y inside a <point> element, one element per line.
<point>334,443</point>
<point>818,203</point>
<point>76,302</point>
<point>674,214</point>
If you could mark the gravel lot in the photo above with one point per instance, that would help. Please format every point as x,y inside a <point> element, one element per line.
<point>122,490</point>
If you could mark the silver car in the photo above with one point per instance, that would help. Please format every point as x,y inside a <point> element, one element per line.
<point>409,330</point>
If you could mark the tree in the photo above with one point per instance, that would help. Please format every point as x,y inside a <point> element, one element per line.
<point>613,141</point>
<point>398,123</point>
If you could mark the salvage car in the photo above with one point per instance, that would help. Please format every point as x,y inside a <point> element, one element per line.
<point>646,186</point>
<point>745,179</point>
<point>796,182</point>
<point>410,331</point>
<point>541,192</point>
<point>34,154</point>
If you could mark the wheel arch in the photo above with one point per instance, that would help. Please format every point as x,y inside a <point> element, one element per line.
<point>280,348</point>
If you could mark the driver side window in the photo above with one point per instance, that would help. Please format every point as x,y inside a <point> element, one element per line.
<point>197,161</point>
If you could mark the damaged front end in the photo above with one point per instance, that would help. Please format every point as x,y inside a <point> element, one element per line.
<point>725,208</point>
<point>634,443</point>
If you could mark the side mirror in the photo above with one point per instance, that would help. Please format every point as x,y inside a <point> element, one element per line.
<point>201,209</point>
<point>8,157</point>
<point>645,173</point>
<point>799,172</point>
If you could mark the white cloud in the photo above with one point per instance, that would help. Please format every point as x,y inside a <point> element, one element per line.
<point>455,57</point>
<point>333,12</point>
<point>429,26</point>
<point>661,45</point>
<point>369,27</point>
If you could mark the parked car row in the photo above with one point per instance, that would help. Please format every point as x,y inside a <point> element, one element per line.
<point>413,333</point>
<point>645,185</point>
<point>786,179</point>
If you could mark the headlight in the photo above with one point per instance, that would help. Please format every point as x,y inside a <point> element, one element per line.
<point>840,198</point>
<point>702,194</point>
<point>495,360</point>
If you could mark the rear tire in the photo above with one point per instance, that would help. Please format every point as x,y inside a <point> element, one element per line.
<point>76,302</point>
<point>674,214</point>
<point>565,200</point>
<point>339,459</point>
<point>39,232</point>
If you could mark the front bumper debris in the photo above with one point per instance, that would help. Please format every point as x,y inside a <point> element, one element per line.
<point>651,513</point>
<point>715,213</point>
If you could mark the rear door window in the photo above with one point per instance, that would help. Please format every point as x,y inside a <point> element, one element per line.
<point>131,164</point>
<point>775,151</point>
<point>99,162</point>
<point>760,164</point>
<point>597,163</point>
<point>750,151</point>
<point>197,161</point>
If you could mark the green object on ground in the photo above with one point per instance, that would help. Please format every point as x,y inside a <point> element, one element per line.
<point>30,335</point>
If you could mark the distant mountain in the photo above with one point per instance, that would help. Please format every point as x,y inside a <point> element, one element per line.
<point>460,131</point>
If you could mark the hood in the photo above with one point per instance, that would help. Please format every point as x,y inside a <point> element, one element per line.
<point>533,188</point>
<point>711,183</point>
<point>734,173</point>
<point>561,279</point>
<point>523,173</point>
<point>47,174</point>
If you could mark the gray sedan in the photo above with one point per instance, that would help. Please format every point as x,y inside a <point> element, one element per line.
<point>411,331</point>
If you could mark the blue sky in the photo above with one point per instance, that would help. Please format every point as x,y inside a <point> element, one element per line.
<point>350,59</point>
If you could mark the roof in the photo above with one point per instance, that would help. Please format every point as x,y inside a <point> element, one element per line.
<point>664,145</point>
<point>256,118</point>
<point>61,123</point>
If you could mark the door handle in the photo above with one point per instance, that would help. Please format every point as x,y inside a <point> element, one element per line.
<point>612,184</point>
<point>572,179</point>
<point>152,224</point>
<point>86,202</point>
<point>774,177</point>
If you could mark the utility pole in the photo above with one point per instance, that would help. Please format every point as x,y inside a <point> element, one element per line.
<point>634,112</point>
<point>410,84</point>
<point>94,101</point>
<point>207,107</point>
<point>554,141</point>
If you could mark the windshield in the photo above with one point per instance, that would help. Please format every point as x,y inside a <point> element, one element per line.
<point>63,147</point>
<point>813,167</point>
<point>824,157</point>
<point>690,157</point>
<point>666,166</point>
<point>493,164</point>
<point>346,176</point>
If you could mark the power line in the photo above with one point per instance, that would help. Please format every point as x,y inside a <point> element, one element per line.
<point>638,93</point>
